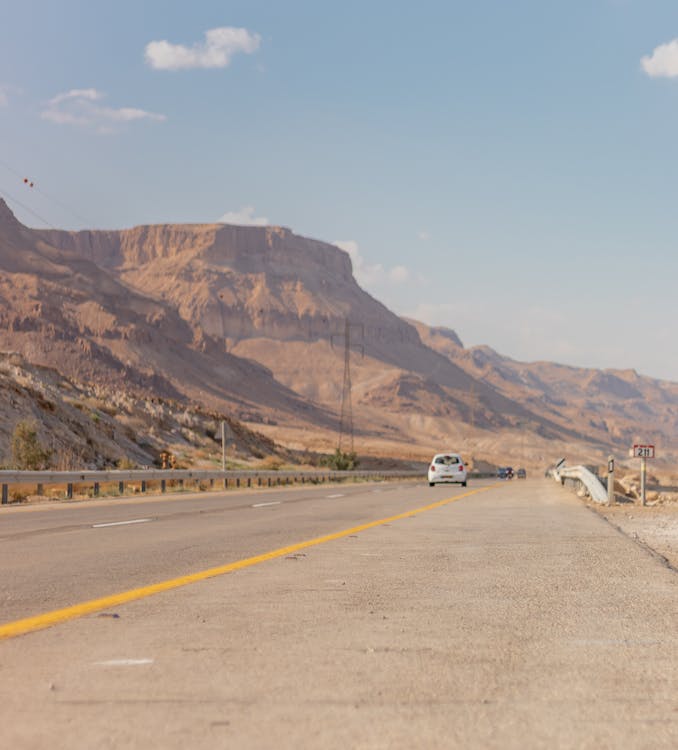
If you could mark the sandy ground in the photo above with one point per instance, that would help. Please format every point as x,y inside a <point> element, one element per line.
<point>655,526</point>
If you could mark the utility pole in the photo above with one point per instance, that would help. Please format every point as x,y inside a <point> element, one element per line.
<point>223,445</point>
<point>346,422</point>
<point>346,418</point>
<point>473,407</point>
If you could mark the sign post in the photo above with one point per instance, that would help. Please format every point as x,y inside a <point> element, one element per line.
<point>643,452</point>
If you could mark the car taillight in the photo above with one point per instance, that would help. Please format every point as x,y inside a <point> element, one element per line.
<point>433,468</point>
<point>461,467</point>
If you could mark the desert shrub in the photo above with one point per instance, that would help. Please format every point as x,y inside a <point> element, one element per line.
<point>126,464</point>
<point>271,463</point>
<point>28,453</point>
<point>340,460</point>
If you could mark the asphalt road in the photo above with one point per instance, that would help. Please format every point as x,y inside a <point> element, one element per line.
<point>509,617</point>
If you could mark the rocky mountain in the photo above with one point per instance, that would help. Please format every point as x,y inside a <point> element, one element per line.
<point>614,407</point>
<point>252,321</point>
<point>60,308</point>
<point>282,300</point>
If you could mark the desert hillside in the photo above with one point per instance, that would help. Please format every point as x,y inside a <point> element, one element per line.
<point>616,407</point>
<point>92,426</point>
<point>250,321</point>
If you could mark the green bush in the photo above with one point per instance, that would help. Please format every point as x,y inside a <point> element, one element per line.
<point>340,460</point>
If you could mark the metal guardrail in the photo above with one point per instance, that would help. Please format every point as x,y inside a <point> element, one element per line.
<point>580,476</point>
<point>229,478</point>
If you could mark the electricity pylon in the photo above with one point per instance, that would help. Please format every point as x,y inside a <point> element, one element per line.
<point>346,418</point>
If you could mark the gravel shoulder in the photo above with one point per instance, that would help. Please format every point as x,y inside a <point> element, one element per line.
<point>655,526</point>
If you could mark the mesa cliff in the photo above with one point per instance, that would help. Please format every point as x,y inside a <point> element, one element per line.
<point>251,321</point>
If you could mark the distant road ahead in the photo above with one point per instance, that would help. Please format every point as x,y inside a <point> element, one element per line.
<point>508,617</point>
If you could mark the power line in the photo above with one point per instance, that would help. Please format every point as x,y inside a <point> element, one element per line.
<point>49,197</point>
<point>7,196</point>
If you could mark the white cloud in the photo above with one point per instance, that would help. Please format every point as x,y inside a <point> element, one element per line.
<point>244,217</point>
<point>663,62</point>
<point>399,275</point>
<point>90,95</point>
<point>7,91</point>
<point>216,51</point>
<point>424,235</point>
<point>372,274</point>
<point>79,107</point>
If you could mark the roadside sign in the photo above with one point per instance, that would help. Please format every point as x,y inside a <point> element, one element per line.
<point>643,451</point>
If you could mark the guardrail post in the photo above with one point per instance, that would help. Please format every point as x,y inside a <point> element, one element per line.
<point>69,491</point>
<point>143,485</point>
<point>40,490</point>
<point>237,482</point>
<point>95,489</point>
<point>163,485</point>
<point>121,488</point>
<point>225,483</point>
<point>249,481</point>
<point>5,494</point>
<point>259,481</point>
<point>269,481</point>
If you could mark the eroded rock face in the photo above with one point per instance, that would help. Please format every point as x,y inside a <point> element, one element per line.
<point>133,302</point>
<point>252,320</point>
<point>237,282</point>
<point>65,303</point>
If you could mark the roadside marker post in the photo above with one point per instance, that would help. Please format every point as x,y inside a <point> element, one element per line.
<point>610,480</point>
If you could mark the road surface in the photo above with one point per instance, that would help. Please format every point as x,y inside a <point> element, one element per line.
<point>501,615</point>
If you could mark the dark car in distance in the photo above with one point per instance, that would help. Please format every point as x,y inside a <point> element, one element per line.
<point>505,472</point>
<point>521,474</point>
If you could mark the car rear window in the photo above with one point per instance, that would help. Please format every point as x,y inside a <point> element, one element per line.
<point>446,460</point>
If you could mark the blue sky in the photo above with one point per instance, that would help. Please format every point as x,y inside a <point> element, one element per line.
<point>507,169</point>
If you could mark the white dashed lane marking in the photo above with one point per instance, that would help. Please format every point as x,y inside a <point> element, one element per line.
<point>123,662</point>
<point>120,523</point>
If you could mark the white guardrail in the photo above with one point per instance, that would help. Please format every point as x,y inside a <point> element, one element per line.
<point>142,478</point>
<point>582,477</point>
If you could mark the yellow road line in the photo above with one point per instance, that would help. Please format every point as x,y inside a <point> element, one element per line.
<point>47,619</point>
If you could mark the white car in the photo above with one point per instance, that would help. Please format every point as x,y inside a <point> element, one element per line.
<point>447,467</point>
